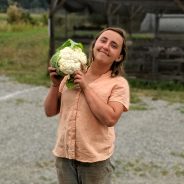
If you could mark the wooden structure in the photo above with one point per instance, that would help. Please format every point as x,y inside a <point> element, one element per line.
<point>150,63</point>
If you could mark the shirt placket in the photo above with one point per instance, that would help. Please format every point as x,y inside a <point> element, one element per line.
<point>72,128</point>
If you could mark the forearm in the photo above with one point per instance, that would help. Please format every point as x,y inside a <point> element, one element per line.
<point>105,113</point>
<point>52,101</point>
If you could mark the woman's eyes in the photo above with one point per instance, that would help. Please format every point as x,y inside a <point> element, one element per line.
<point>112,44</point>
<point>103,40</point>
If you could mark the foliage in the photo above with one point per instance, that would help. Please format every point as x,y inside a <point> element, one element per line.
<point>26,4</point>
<point>44,19</point>
<point>16,14</point>
<point>169,91</point>
<point>156,85</point>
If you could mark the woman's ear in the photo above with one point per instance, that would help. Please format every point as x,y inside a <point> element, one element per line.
<point>119,58</point>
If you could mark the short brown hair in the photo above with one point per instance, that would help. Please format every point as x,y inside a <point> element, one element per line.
<point>117,67</point>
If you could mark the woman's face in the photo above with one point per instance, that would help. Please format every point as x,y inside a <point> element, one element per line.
<point>107,48</point>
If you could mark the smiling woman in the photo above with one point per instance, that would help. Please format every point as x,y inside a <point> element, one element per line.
<point>89,112</point>
<point>108,48</point>
<point>118,43</point>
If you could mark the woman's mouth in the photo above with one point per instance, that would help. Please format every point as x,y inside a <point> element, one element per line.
<point>104,52</point>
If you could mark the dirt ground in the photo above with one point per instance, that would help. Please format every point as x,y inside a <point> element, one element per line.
<point>149,146</point>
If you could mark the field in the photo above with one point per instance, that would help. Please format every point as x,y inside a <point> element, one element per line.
<point>24,52</point>
<point>24,57</point>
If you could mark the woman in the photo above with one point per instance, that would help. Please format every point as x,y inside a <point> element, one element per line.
<point>88,113</point>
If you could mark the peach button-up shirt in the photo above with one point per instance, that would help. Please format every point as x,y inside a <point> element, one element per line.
<point>80,135</point>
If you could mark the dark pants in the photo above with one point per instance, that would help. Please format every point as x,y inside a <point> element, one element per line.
<point>75,172</point>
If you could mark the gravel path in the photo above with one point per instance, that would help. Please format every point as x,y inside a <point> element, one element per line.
<point>149,147</point>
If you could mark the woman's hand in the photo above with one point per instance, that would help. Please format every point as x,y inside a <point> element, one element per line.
<point>55,78</point>
<point>80,79</point>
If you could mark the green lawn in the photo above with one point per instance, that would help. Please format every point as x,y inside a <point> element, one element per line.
<point>24,54</point>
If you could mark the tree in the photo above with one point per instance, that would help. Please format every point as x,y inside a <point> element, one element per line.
<point>3,5</point>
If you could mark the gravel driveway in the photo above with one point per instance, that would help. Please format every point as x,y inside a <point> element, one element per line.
<point>149,147</point>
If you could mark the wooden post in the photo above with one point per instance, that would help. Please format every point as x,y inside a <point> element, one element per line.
<point>54,5</point>
<point>51,31</point>
<point>154,59</point>
<point>51,34</point>
<point>66,24</point>
<point>157,20</point>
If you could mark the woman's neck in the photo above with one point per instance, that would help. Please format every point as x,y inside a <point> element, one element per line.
<point>96,70</point>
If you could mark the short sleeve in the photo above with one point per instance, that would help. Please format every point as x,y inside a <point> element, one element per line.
<point>121,93</point>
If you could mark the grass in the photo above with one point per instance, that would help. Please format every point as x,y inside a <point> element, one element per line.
<point>176,154</point>
<point>3,17</point>
<point>167,95</point>
<point>24,53</point>
<point>182,109</point>
<point>139,107</point>
<point>142,168</point>
<point>24,57</point>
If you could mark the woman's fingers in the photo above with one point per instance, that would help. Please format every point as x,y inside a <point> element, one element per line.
<point>51,69</point>
<point>80,79</point>
<point>53,74</point>
<point>78,75</point>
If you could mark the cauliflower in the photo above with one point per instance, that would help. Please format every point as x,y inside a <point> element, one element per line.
<point>68,59</point>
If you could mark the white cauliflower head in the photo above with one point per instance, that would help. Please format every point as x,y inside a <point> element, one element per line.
<point>71,60</point>
<point>68,59</point>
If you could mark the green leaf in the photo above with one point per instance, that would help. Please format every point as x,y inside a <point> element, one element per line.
<point>54,63</point>
<point>72,44</point>
<point>59,72</point>
<point>70,83</point>
<point>79,45</point>
<point>68,43</point>
<point>54,60</point>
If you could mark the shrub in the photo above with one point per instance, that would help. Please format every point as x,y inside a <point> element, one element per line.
<point>16,14</point>
<point>26,18</point>
<point>44,19</point>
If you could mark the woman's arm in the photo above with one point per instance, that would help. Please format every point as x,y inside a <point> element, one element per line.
<point>107,113</point>
<point>52,100</point>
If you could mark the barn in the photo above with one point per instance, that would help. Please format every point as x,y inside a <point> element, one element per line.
<point>155,50</point>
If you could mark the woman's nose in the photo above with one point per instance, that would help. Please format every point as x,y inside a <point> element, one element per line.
<point>106,45</point>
